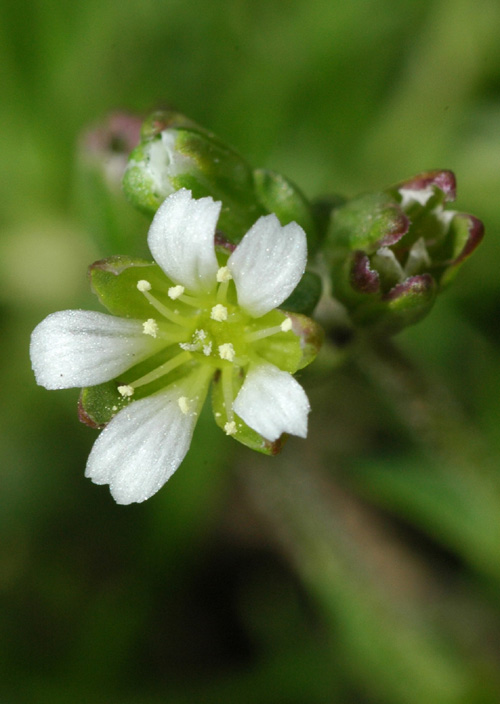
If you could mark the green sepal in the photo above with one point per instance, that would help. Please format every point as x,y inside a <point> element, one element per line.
<point>311,336</point>
<point>305,297</point>
<point>280,196</point>
<point>365,223</point>
<point>161,120</point>
<point>283,349</point>
<point>114,281</point>
<point>244,434</point>
<point>406,304</point>
<point>139,185</point>
<point>464,235</point>
<point>98,404</point>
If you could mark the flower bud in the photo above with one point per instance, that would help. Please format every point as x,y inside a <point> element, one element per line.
<point>391,252</point>
<point>176,153</point>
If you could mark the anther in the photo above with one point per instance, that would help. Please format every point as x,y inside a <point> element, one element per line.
<point>150,327</point>
<point>184,404</point>
<point>226,351</point>
<point>286,325</point>
<point>175,292</point>
<point>230,428</point>
<point>174,316</point>
<point>126,391</point>
<point>224,275</point>
<point>219,313</point>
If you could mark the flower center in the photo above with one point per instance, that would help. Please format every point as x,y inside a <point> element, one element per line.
<point>210,332</point>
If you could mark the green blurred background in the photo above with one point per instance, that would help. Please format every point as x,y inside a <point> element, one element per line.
<point>362,565</point>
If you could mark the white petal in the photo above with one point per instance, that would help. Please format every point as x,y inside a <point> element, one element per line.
<point>181,239</point>
<point>418,259</point>
<point>272,402</point>
<point>409,196</point>
<point>142,447</point>
<point>268,264</point>
<point>384,260</point>
<point>83,348</point>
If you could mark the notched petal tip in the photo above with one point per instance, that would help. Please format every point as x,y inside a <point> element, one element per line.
<point>142,446</point>
<point>268,264</point>
<point>396,228</point>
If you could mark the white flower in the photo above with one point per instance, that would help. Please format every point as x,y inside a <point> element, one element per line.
<point>209,321</point>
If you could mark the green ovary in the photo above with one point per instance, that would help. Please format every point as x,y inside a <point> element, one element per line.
<point>220,342</point>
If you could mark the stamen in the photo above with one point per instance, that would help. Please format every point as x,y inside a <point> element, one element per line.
<point>227,391</point>
<point>126,390</point>
<point>219,313</point>
<point>226,351</point>
<point>150,327</point>
<point>175,291</point>
<point>285,326</point>
<point>160,371</point>
<point>174,317</point>
<point>184,404</point>
<point>191,301</point>
<point>230,428</point>
<point>207,349</point>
